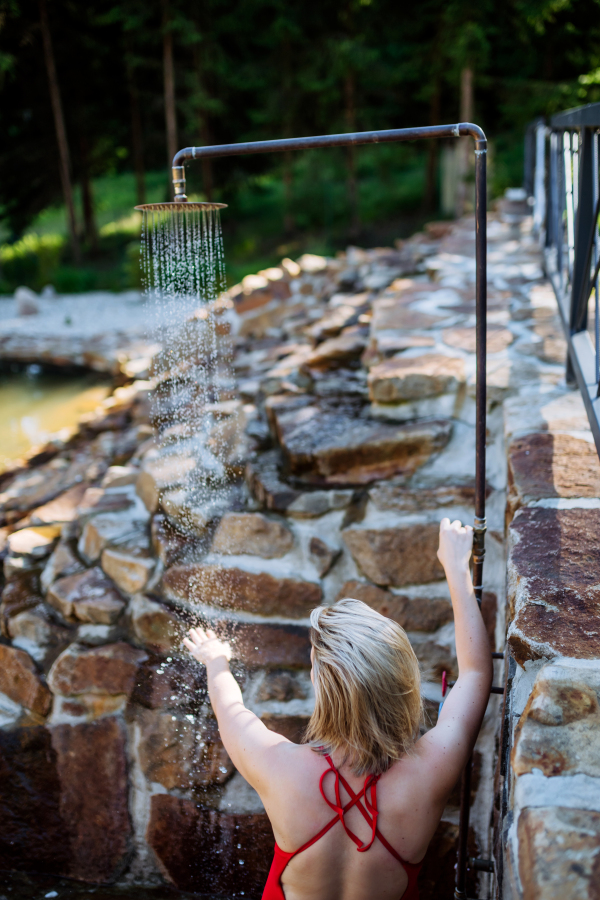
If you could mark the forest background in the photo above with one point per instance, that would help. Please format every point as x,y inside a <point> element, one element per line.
<point>134,81</point>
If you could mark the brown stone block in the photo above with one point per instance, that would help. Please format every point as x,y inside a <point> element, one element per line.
<point>252,533</point>
<point>36,626</point>
<point>33,835</point>
<point>62,562</point>
<point>337,446</point>
<point>37,541</point>
<point>559,730</point>
<point>108,669</point>
<point>255,592</point>
<point>62,509</point>
<point>498,338</point>
<point>209,851</point>
<point>415,377</point>
<point>256,644</point>
<point>20,681</point>
<point>389,315</point>
<point>264,480</point>
<point>282,686</point>
<point>130,567</point>
<point>559,853</point>
<point>89,596</point>
<point>398,498</point>
<point>21,593</point>
<point>178,753</point>
<point>553,578</point>
<point>99,500</point>
<point>176,684</point>
<point>416,614</point>
<point>291,727</point>
<point>91,765</point>
<point>336,351</point>
<point>155,624</point>
<point>551,465</point>
<point>396,556</point>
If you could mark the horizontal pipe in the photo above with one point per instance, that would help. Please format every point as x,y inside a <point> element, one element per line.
<point>461,129</point>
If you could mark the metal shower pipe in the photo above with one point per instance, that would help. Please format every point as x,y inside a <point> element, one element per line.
<point>461,129</point>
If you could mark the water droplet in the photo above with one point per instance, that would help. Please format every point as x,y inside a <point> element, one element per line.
<point>241,862</point>
<point>223,770</point>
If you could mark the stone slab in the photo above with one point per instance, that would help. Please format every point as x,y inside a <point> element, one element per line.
<point>207,851</point>
<point>181,754</point>
<point>233,588</point>
<point>108,669</point>
<point>20,681</point>
<point>331,445</point>
<point>551,465</point>
<point>404,378</point>
<point>396,556</point>
<point>554,584</point>
<point>91,766</point>
<point>154,624</point>
<point>88,596</point>
<point>252,533</point>
<point>559,853</point>
<point>413,614</point>
<point>559,729</point>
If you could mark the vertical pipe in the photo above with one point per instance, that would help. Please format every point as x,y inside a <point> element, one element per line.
<point>460,890</point>
<point>595,286</point>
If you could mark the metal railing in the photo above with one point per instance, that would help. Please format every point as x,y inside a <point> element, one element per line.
<point>562,173</point>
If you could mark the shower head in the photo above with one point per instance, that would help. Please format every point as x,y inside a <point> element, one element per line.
<point>180,206</point>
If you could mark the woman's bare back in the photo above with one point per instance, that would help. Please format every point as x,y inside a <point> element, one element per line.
<point>333,868</point>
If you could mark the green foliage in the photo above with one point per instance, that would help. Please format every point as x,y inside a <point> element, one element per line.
<point>254,69</point>
<point>32,261</point>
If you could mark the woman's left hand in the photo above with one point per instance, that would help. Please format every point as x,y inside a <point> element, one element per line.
<point>205,646</point>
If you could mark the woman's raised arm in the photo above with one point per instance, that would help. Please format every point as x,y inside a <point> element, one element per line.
<point>460,719</point>
<point>249,743</point>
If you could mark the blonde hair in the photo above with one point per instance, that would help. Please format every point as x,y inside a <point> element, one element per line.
<point>367,687</point>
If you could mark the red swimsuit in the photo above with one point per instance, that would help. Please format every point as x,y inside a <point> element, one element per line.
<point>273,888</point>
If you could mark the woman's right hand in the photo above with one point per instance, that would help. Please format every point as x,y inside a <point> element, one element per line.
<point>205,646</point>
<point>456,544</point>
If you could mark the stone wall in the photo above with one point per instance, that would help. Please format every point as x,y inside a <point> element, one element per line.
<point>548,777</point>
<point>347,435</point>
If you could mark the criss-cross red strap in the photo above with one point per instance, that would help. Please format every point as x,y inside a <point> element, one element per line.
<point>369,814</point>
<point>355,799</point>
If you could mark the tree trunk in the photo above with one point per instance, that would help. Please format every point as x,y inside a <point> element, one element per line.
<point>349,94</point>
<point>464,146</point>
<point>61,133</point>
<point>87,199</point>
<point>169,84</point>
<point>429,195</point>
<point>137,137</point>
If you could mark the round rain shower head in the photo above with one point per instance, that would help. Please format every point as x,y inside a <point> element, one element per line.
<point>180,206</point>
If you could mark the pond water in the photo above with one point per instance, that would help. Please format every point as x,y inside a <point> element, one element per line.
<point>36,403</point>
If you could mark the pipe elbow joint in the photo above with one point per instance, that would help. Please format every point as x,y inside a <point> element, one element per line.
<point>468,129</point>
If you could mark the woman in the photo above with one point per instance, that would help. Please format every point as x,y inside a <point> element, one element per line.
<point>364,782</point>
